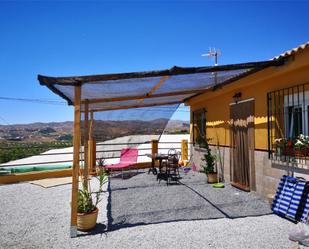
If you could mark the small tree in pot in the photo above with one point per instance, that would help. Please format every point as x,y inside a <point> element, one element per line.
<point>209,168</point>
<point>88,199</point>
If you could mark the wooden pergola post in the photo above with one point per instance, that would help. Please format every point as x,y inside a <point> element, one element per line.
<point>86,138</point>
<point>184,150</point>
<point>191,126</point>
<point>76,149</point>
<point>91,147</point>
<point>154,147</point>
<point>154,150</point>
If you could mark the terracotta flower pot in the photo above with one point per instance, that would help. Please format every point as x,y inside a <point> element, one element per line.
<point>212,177</point>
<point>296,152</point>
<point>87,221</point>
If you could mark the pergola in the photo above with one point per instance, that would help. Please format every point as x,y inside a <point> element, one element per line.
<point>98,93</point>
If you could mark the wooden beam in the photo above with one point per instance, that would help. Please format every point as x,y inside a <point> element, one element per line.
<point>135,106</point>
<point>191,125</point>
<point>76,149</point>
<point>158,85</point>
<point>91,146</point>
<point>154,146</point>
<point>184,150</point>
<point>91,156</point>
<point>86,138</point>
<point>34,175</point>
<point>91,126</point>
<point>145,96</point>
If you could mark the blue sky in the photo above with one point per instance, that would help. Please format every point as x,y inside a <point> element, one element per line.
<point>78,38</point>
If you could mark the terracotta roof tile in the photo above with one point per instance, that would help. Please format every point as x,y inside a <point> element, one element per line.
<point>292,51</point>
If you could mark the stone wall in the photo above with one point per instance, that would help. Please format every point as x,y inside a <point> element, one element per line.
<point>267,172</point>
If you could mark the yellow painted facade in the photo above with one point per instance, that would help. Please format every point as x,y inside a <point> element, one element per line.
<point>217,103</point>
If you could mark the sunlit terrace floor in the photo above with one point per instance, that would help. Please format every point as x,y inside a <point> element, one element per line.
<point>138,212</point>
<point>142,200</point>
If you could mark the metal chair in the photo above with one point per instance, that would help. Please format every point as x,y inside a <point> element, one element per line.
<point>172,166</point>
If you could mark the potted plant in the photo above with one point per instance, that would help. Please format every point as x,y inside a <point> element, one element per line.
<point>301,145</point>
<point>280,145</point>
<point>210,162</point>
<point>289,148</point>
<point>88,199</point>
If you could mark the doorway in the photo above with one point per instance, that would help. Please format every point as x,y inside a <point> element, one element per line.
<point>242,145</point>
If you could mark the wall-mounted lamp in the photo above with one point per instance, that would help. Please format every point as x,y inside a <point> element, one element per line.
<point>237,97</point>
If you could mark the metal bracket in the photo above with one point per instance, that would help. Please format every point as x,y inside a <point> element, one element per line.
<point>73,232</point>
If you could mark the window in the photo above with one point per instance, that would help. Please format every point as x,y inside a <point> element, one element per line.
<point>288,122</point>
<point>199,126</point>
<point>294,122</point>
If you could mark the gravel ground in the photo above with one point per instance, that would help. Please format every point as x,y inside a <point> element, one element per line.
<point>141,200</point>
<point>34,217</point>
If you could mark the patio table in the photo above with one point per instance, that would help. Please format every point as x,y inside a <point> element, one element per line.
<point>154,157</point>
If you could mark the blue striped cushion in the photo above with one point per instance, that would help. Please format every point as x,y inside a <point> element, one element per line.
<point>288,197</point>
<point>291,213</point>
<point>284,195</point>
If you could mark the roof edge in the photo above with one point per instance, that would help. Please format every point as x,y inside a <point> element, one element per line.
<point>42,80</point>
<point>292,51</point>
<point>78,80</point>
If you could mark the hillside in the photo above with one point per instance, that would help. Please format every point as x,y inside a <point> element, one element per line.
<point>104,130</point>
<point>37,132</point>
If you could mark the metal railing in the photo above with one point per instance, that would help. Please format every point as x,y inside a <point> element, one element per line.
<point>98,156</point>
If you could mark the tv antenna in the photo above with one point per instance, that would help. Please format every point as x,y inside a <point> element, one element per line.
<point>213,52</point>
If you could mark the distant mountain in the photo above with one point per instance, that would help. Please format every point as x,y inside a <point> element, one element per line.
<point>177,127</point>
<point>36,132</point>
<point>104,130</point>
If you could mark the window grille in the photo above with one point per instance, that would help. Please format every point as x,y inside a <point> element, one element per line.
<point>288,123</point>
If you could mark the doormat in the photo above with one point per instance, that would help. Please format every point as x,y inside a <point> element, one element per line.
<point>52,182</point>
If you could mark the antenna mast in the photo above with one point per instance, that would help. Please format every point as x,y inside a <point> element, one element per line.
<point>213,52</point>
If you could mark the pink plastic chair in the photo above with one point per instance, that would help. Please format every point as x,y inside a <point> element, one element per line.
<point>128,158</point>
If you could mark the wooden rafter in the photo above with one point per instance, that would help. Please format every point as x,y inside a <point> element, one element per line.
<point>156,87</point>
<point>135,106</point>
<point>138,97</point>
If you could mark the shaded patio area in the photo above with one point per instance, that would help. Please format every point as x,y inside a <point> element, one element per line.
<point>141,200</point>
<point>102,95</point>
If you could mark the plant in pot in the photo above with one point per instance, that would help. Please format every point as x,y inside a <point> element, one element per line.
<point>87,201</point>
<point>209,168</point>
<point>280,145</point>
<point>301,145</point>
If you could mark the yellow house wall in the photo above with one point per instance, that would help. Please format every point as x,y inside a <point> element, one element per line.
<point>217,103</point>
